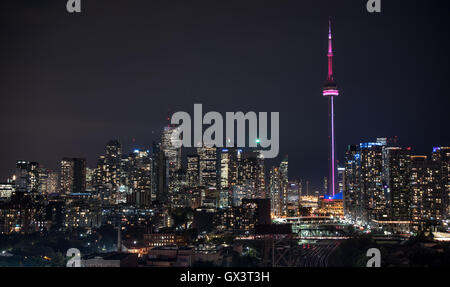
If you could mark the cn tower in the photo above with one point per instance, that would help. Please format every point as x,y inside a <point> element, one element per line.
<point>330,90</point>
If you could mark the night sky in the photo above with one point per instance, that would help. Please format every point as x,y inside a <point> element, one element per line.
<point>71,82</point>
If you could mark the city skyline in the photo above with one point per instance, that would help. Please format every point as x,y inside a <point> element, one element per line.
<point>216,134</point>
<point>52,121</point>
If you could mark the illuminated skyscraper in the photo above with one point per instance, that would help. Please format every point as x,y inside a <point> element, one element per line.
<point>89,178</point>
<point>33,173</point>
<point>340,178</point>
<point>352,187</point>
<point>208,166</point>
<point>169,143</point>
<point>275,191</point>
<point>52,182</point>
<point>293,198</point>
<point>66,175</point>
<point>397,164</point>
<point>371,180</point>
<point>139,171</point>
<point>251,168</point>
<point>193,171</point>
<point>330,90</point>
<point>364,195</point>
<point>441,155</point>
<point>284,180</point>
<point>112,157</point>
<point>43,180</point>
<point>27,176</point>
<point>73,175</point>
<point>232,166</point>
<point>171,147</point>
<point>427,198</point>
<point>22,181</point>
<point>160,174</point>
<point>224,168</point>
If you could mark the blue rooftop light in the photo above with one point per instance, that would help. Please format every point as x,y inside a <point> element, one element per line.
<point>337,196</point>
<point>370,144</point>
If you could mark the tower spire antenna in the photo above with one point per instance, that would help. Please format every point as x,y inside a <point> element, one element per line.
<point>330,51</point>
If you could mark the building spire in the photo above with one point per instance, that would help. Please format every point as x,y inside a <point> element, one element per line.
<point>330,53</point>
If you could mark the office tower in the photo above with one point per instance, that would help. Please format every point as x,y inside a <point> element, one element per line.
<point>43,174</point>
<point>66,175</point>
<point>171,145</point>
<point>6,191</point>
<point>160,175</point>
<point>73,175</point>
<point>261,178</point>
<point>52,182</point>
<point>208,166</point>
<point>22,179</point>
<point>113,157</point>
<point>193,170</point>
<point>90,175</point>
<point>293,198</point>
<point>241,191</point>
<point>340,178</point>
<point>232,166</point>
<point>441,155</point>
<point>33,174</point>
<point>27,176</point>
<point>275,191</point>
<point>397,163</point>
<point>284,179</point>
<point>284,169</point>
<point>139,174</point>
<point>224,168</point>
<point>325,185</point>
<point>225,198</point>
<point>251,173</point>
<point>330,90</point>
<point>427,195</point>
<point>100,173</point>
<point>79,175</point>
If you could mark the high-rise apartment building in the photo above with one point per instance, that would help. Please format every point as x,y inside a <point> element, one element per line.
<point>427,196</point>
<point>73,175</point>
<point>112,160</point>
<point>441,155</point>
<point>397,164</point>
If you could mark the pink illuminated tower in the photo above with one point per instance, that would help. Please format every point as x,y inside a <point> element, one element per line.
<point>330,90</point>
